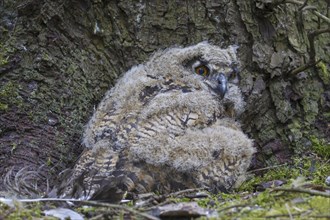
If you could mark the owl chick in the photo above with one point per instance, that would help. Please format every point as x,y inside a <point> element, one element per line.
<point>168,124</point>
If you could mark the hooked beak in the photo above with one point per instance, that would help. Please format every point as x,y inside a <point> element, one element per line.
<point>218,84</point>
<point>221,87</point>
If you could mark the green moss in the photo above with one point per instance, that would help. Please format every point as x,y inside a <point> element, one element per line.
<point>87,210</point>
<point>20,211</point>
<point>3,60</point>
<point>320,147</point>
<point>311,97</point>
<point>275,204</point>
<point>321,204</point>
<point>13,147</point>
<point>5,52</point>
<point>49,162</point>
<point>323,72</point>
<point>3,107</point>
<point>295,129</point>
<point>207,202</point>
<point>9,96</point>
<point>314,169</point>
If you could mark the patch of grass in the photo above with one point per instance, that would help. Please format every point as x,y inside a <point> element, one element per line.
<point>320,204</point>
<point>272,204</point>
<point>22,211</point>
<point>314,168</point>
<point>320,147</point>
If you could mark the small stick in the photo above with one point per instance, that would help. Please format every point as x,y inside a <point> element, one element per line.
<point>267,168</point>
<point>300,190</point>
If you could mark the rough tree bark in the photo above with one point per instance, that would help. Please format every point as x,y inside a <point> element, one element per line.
<point>57,59</point>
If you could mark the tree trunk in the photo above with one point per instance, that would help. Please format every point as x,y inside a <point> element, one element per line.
<point>58,58</point>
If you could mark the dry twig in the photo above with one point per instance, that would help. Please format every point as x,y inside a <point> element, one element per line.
<point>283,215</point>
<point>267,168</point>
<point>301,190</point>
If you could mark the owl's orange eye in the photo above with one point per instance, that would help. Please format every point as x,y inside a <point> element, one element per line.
<point>202,70</point>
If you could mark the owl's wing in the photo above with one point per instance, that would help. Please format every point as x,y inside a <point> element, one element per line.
<point>93,177</point>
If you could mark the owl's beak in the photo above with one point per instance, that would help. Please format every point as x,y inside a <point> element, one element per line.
<point>218,84</point>
<point>221,88</point>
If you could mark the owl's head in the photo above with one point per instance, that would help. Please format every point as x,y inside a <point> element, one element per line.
<point>200,63</point>
<point>205,71</point>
